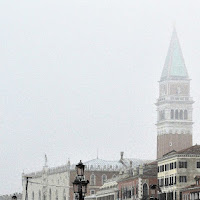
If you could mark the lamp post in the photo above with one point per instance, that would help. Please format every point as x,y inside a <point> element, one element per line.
<point>80,184</point>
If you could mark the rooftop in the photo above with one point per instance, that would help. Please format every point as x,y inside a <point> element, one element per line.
<point>174,67</point>
<point>193,150</point>
<point>92,165</point>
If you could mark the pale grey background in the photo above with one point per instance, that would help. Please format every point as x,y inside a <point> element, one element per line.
<point>80,75</point>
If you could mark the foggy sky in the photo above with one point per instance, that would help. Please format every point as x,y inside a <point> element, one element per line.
<point>77,76</point>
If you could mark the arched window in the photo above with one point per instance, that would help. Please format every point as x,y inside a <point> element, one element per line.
<point>39,195</point>
<point>133,191</point>
<point>64,195</point>
<point>56,195</point>
<point>92,179</point>
<point>114,176</point>
<point>136,190</point>
<point>49,194</point>
<point>145,191</point>
<point>176,114</point>
<point>181,114</point>
<point>185,114</point>
<point>32,195</point>
<point>172,114</point>
<point>124,193</point>
<point>163,114</point>
<point>160,115</point>
<point>104,178</point>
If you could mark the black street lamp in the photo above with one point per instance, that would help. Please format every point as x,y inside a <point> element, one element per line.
<point>80,184</point>
<point>14,197</point>
<point>80,169</point>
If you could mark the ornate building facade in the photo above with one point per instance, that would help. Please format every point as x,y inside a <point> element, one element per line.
<point>177,171</point>
<point>56,183</point>
<point>131,184</point>
<point>174,105</point>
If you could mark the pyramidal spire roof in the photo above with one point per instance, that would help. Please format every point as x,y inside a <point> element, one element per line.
<point>174,67</point>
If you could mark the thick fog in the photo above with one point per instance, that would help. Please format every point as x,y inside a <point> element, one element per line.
<point>77,76</point>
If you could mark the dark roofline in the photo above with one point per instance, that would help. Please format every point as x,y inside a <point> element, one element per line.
<point>181,152</point>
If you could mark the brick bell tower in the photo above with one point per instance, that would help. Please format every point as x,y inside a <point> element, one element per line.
<point>174,105</point>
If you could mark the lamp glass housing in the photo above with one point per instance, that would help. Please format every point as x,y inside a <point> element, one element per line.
<point>76,185</point>
<point>80,169</point>
<point>84,186</point>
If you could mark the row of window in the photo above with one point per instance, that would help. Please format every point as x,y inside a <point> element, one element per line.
<point>103,179</point>
<point>99,167</point>
<point>191,196</point>
<point>171,180</point>
<point>174,114</point>
<point>179,114</point>
<point>167,167</point>
<point>167,181</point>
<point>50,194</point>
<point>128,193</point>
<point>170,166</point>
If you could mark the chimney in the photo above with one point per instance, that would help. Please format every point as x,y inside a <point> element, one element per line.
<point>122,155</point>
<point>141,170</point>
<point>131,163</point>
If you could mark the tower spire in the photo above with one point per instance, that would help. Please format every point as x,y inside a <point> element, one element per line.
<point>174,67</point>
<point>45,160</point>
<point>174,105</point>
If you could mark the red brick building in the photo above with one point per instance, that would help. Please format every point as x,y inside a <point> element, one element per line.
<point>137,183</point>
<point>97,172</point>
<point>131,184</point>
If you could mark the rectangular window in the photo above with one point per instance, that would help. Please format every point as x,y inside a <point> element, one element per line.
<point>180,196</point>
<point>174,165</point>
<point>182,179</point>
<point>198,164</point>
<point>166,181</point>
<point>182,164</point>
<point>170,180</point>
<point>158,169</point>
<point>92,192</point>
<point>161,182</point>
<point>174,180</point>
<point>162,167</point>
